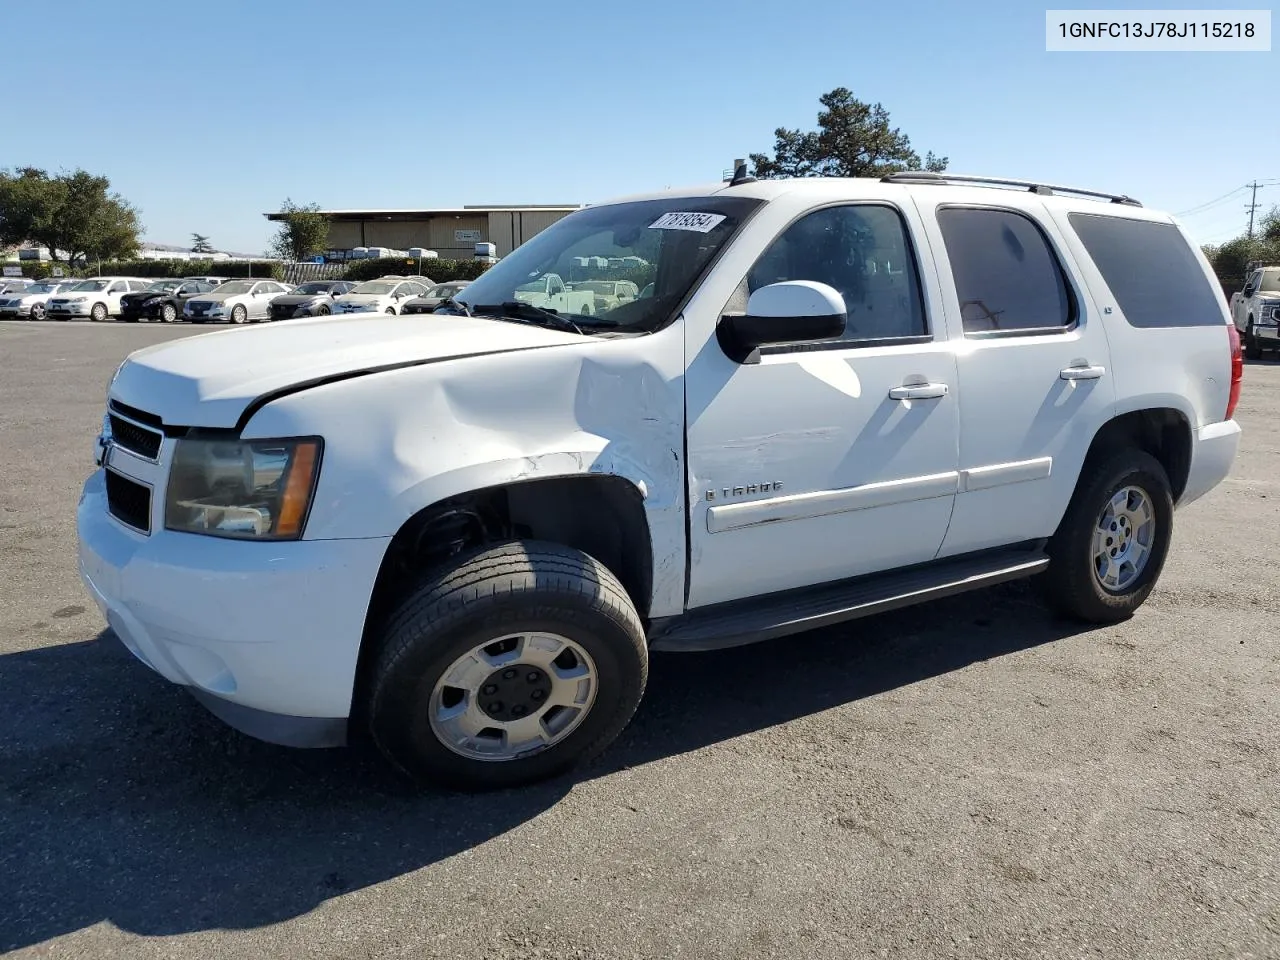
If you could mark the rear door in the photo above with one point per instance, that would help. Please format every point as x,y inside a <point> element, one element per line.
<point>1034,365</point>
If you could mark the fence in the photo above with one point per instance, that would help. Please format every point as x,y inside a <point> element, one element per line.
<point>303,272</point>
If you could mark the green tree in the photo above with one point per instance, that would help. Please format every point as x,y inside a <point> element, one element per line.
<point>853,139</point>
<point>200,243</point>
<point>74,214</point>
<point>303,231</point>
<point>1269,226</point>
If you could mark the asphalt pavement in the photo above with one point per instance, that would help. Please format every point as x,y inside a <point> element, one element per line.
<point>973,779</point>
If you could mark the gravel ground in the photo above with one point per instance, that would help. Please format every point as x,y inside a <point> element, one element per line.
<point>971,779</point>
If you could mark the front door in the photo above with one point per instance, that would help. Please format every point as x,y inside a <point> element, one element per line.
<point>825,461</point>
<point>1035,376</point>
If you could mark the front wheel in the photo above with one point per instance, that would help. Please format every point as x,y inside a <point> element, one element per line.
<point>1252,348</point>
<point>1108,551</point>
<point>324,311</point>
<point>391,310</point>
<point>98,313</point>
<point>37,311</point>
<point>510,666</point>
<point>239,314</point>
<point>168,313</point>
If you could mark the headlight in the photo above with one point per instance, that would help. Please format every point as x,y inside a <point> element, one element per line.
<point>244,489</point>
<point>77,300</point>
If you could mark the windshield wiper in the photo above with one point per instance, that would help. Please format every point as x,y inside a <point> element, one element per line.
<point>455,304</point>
<point>524,312</point>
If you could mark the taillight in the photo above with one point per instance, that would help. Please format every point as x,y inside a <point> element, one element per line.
<point>1237,370</point>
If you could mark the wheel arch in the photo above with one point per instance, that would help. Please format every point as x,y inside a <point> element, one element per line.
<point>601,514</point>
<point>1165,432</point>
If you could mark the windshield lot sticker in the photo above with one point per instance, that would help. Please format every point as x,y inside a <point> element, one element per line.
<point>697,222</point>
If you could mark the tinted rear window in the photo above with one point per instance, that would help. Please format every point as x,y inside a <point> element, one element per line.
<point>1152,272</point>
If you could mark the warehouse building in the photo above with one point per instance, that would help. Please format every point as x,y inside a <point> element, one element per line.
<point>452,233</point>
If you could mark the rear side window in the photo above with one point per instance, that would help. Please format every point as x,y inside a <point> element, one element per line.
<point>1152,272</point>
<point>1007,277</point>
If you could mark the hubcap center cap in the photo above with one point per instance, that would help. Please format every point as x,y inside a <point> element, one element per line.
<point>514,692</point>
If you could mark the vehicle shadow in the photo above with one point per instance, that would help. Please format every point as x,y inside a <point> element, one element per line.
<point>122,800</point>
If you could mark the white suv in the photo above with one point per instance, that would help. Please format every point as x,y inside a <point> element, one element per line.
<point>842,397</point>
<point>97,298</point>
<point>384,295</point>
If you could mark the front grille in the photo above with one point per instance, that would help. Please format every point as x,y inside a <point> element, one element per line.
<point>129,502</point>
<point>136,439</point>
<point>282,312</point>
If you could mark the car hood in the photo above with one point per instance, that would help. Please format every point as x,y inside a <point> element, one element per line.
<point>362,298</point>
<point>215,297</point>
<point>295,299</point>
<point>209,380</point>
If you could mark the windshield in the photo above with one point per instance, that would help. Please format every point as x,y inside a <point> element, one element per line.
<point>41,288</point>
<point>667,243</point>
<point>443,290</point>
<point>235,286</point>
<point>312,288</point>
<point>164,286</point>
<point>1270,281</point>
<point>91,286</point>
<point>373,286</point>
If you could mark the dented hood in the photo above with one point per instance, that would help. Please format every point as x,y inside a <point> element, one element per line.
<point>209,380</point>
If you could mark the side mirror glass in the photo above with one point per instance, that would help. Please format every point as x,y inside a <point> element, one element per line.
<point>793,311</point>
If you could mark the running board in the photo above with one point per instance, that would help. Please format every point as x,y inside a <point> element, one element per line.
<point>794,611</point>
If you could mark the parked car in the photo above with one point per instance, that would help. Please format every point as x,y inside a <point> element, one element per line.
<point>432,298</point>
<point>1255,310</point>
<point>31,301</point>
<point>96,299</point>
<point>610,294</point>
<point>163,300</point>
<point>551,293</point>
<point>312,299</point>
<point>384,295</point>
<point>845,396</point>
<point>14,284</point>
<point>213,280</point>
<point>238,301</point>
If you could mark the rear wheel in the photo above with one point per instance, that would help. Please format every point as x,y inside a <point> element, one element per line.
<point>1108,551</point>
<point>515,664</point>
<point>98,313</point>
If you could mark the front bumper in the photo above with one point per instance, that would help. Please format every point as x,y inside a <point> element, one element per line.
<point>266,635</point>
<point>70,310</point>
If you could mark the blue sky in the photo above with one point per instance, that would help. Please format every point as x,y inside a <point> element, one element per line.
<point>205,115</point>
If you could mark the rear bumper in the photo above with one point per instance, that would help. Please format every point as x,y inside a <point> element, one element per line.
<point>1212,455</point>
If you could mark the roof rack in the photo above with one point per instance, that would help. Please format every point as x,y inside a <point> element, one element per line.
<point>1043,189</point>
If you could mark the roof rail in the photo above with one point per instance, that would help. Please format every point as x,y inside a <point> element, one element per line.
<point>1043,189</point>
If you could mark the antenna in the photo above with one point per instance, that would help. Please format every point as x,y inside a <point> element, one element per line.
<point>740,174</point>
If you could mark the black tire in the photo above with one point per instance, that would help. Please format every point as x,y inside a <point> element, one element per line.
<point>1252,349</point>
<point>37,311</point>
<point>323,311</point>
<point>98,313</point>
<point>391,310</point>
<point>1071,585</point>
<point>499,590</point>
<point>239,314</point>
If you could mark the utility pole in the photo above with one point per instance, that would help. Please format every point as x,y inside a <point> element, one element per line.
<point>1253,204</point>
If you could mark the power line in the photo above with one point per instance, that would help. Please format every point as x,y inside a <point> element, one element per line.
<point>1210,203</point>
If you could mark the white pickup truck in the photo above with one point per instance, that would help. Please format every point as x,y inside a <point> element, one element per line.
<point>1255,311</point>
<point>550,292</point>
<point>466,537</point>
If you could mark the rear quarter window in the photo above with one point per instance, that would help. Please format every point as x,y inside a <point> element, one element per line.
<point>1151,270</point>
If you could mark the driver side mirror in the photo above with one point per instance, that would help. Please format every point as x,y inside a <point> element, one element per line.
<point>793,311</point>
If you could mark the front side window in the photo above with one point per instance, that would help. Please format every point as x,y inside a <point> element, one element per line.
<point>863,252</point>
<point>1151,271</point>
<point>1007,277</point>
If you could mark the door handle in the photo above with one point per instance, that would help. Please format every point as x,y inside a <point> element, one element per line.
<point>1082,373</point>
<point>919,391</point>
